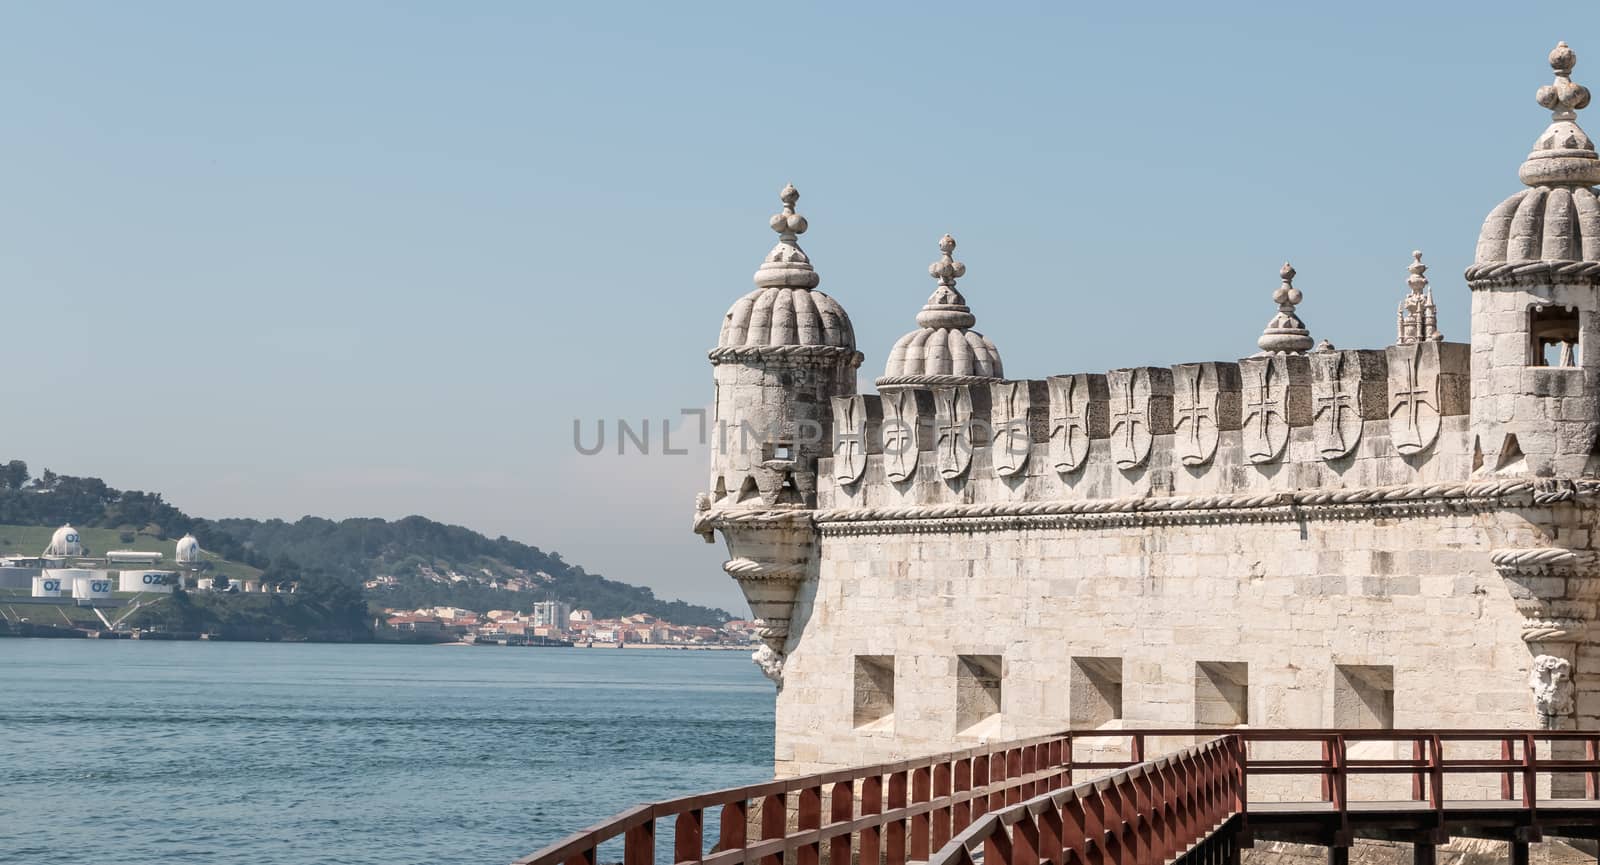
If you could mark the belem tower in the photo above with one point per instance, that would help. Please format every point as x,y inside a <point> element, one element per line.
<point>1310,536</point>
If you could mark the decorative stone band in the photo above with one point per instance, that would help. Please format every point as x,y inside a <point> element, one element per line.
<point>707,519</point>
<point>1542,561</point>
<point>750,569</point>
<point>1353,504</point>
<point>786,354</point>
<point>931,381</point>
<point>1523,271</point>
<point>1554,588</point>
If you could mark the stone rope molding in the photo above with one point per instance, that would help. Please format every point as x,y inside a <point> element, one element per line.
<point>931,381</point>
<point>751,569</point>
<point>1257,507</point>
<point>1575,270</point>
<point>738,353</point>
<point>1540,560</point>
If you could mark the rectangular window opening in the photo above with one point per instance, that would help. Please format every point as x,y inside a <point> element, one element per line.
<point>874,692</point>
<point>978,680</point>
<point>1095,695</point>
<point>1553,332</point>
<point>1363,697</point>
<point>1221,694</point>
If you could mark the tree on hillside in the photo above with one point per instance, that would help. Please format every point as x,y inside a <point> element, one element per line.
<point>14,475</point>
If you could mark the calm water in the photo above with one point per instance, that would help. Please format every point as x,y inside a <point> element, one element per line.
<point>147,752</point>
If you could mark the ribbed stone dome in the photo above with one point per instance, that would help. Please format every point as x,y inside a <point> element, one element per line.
<point>944,346</point>
<point>1557,218</point>
<point>785,309</point>
<point>786,316</point>
<point>1555,223</point>
<point>944,351</point>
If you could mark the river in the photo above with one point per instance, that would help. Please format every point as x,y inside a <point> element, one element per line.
<point>140,752</point>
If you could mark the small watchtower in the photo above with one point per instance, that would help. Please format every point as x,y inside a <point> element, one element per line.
<point>1536,303</point>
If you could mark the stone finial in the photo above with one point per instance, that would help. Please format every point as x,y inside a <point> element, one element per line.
<point>1564,154</point>
<point>787,265</point>
<point>1417,318</point>
<point>946,307</point>
<point>1285,333</point>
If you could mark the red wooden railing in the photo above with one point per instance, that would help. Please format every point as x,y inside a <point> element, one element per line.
<point>1152,812</point>
<point>1018,801</point>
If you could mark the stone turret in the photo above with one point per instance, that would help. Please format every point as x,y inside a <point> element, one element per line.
<point>1534,302</point>
<point>784,352</point>
<point>944,349</point>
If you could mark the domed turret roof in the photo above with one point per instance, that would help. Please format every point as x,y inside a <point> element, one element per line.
<point>1557,218</point>
<point>65,542</point>
<point>188,550</point>
<point>944,349</point>
<point>786,309</point>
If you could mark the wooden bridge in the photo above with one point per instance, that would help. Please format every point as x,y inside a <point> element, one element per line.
<point>1092,797</point>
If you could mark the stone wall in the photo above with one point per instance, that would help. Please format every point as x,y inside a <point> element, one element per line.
<point>1274,614</point>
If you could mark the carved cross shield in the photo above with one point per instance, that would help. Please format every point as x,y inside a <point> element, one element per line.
<point>1131,434</point>
<point>1414,414</point>
<point>1077,414</point>
<point>849,438</point>
<point>1012,416</point>
<point>1335,395</point>
<point>1197,411</point>
<point>1266,407</point>
<point>953,438</point>
<point>898,434</point>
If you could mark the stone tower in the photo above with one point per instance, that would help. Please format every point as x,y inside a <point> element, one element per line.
<point>785,351</point>
<point>1535,298</point>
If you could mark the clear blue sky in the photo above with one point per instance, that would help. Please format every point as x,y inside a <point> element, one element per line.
<point>373,258</point>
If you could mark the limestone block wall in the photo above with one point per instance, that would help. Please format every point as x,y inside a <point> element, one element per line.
<point>771,422</point>
<point>1278,617</point>
<point>1519,342</point>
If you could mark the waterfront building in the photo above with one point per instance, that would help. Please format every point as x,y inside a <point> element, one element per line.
<point>551,614</point>
<point>1305,536</point>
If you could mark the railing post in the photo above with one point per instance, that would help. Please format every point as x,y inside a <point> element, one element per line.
<point>732,827</point>
<point>1024,842</point>
<point>941,815</point>
<point>774,824</point>
<point>809,817</point>
<point>1591,778</point>
<point>980,782</point>
<point>895,844</point>
<point>961,811</point>
<point>1014,772</point>
<point>1416,777</point>
<point>871,804</point>
<point>639,844</point>
<point>1051,846</point>
<point>1530,782</point>
<point>1075,830</point>
<point>1144,793</point>
<point>1508,777</point>
<point>921,792</point>
<point>841,810</point>
<point>688,836</point>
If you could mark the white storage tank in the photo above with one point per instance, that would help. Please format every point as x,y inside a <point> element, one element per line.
<point>69,578</point>
<point>93,585</point>
<point>146,581</point>
<point>46,586</point>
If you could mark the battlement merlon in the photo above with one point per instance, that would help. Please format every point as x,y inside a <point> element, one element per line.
<point>1329,419</point>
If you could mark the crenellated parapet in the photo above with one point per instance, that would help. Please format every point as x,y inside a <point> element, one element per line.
<point>1328,419</point>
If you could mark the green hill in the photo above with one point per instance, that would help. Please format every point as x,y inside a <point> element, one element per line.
<point>418,561</point>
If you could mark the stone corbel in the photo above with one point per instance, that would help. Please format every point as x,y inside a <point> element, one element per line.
<point>1556,591</point>
<point>772,552</point>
